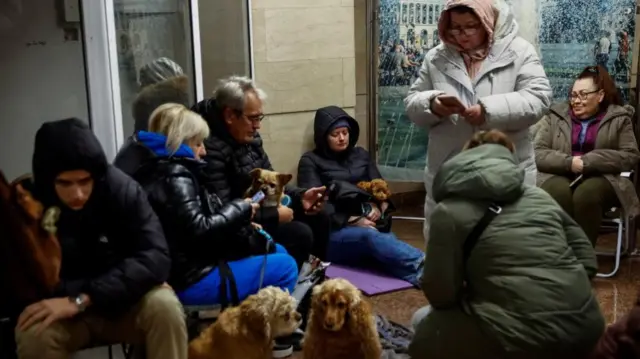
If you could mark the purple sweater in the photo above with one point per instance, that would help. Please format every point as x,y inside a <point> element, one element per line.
<point>584,133</point>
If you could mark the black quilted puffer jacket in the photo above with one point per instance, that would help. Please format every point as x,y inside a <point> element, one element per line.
<point>229,164</point>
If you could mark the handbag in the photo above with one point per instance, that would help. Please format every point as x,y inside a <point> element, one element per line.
<point>353,200</point>
<point>348,198</point>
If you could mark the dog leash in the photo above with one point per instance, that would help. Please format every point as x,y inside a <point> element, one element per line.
<point>269,241</point>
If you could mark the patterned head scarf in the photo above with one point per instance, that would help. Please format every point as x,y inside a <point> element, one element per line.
<point>487,14</point>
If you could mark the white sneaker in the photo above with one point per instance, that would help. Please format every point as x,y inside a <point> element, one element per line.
<point>282,350</point>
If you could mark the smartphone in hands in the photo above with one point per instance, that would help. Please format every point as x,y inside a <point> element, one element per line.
<point>327,194</point>
<point>258,197</point>
<point>575,182</point>
<point>452,102</point>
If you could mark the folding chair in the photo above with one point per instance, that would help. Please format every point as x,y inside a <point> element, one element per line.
<point>624,228</point>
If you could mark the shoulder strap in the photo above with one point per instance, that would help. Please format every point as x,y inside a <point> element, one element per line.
<point>492,211</point>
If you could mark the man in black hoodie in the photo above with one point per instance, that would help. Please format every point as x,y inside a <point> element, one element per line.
<point>234,148</point>
<point>114,256</point>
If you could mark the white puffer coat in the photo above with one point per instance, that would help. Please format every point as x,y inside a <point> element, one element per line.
<point>511,86</point>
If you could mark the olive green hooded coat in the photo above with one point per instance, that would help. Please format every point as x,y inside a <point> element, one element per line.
<point>525,291</point>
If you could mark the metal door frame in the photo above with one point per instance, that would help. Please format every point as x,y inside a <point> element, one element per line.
<point>103,77</point>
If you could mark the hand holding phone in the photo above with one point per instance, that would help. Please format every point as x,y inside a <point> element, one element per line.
<point>326,195</point>
<point>258,197</point>
<point>445,106</point>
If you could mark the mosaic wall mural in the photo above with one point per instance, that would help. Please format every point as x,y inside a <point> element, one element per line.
<point>571,34</point>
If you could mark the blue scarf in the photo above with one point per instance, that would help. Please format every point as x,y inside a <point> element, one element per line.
<point>158,144</point>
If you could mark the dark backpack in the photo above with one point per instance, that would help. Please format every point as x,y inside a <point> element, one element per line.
<point>349,198</point>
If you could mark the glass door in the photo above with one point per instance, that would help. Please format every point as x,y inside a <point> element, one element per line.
<point>154,44</point>
<point>136,47</point>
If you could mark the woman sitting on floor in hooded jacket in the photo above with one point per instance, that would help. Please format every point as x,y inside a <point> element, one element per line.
<point>583,145</point>
<point>508,271</point>
<point>354,241</point>
<point>200,230</point>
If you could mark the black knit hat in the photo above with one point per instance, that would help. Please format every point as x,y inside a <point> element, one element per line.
<point>65,145</point>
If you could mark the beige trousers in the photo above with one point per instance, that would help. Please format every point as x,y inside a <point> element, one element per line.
<point>157,322</point>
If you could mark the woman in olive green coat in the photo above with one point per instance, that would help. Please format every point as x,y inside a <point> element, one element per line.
<point>525,290</point>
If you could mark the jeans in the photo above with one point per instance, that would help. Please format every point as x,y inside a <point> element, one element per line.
<point>157,322</point>
<point>281,271</point>
<point>358,246</point>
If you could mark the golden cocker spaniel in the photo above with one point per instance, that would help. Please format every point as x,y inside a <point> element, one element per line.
<point>341,324</point>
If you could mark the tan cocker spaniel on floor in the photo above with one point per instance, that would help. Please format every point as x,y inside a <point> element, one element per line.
<point>341,324</point>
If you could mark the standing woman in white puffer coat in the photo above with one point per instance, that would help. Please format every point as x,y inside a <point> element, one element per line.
<point>482,76</point>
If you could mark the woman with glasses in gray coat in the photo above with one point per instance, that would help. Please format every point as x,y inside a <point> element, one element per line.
<point>482,76</point>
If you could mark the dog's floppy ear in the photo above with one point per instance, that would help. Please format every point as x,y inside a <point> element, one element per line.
<point>354,297</point>
<point>256,318</point>
<point>359,313</point>
<point>316,290</point>
<point>283,179</point>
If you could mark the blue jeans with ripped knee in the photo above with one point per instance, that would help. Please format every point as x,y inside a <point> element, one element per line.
<point>359,247</point>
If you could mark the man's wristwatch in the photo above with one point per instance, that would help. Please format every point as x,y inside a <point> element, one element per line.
<point>80,302</point>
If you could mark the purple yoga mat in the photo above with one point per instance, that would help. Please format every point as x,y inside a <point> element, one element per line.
<point>369,282</point>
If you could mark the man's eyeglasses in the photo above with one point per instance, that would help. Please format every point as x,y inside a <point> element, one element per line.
<point>252,118</point>
<point>582,95</point>
<point>469,31</point>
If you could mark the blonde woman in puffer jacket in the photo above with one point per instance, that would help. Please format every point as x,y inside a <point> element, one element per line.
<point>493,75</point>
